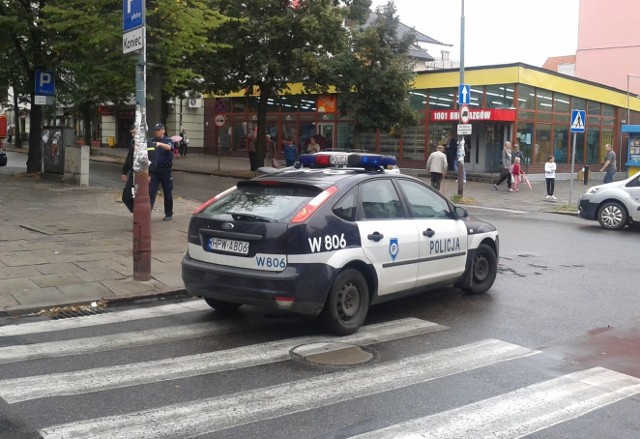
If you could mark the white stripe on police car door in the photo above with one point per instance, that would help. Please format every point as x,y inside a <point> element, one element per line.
<point>521,412</point>
<point>186,419</point>
<point>103,319</point>
<point>113,377</point>
<point>13,354</point>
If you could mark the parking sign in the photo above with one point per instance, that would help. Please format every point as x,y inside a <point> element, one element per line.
<point>132,16</point>
<point>45,83</point>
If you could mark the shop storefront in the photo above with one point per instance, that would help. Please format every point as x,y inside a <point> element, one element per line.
<point>524,104</point>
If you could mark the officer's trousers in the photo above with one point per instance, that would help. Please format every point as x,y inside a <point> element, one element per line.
<point>162,176</point>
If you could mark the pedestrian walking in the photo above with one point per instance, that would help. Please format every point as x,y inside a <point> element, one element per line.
<point>550,177</point>
<point>271,154</point>
<point>609,167</point>
<point>505,167</point>
<point>10,134</point>
<point>127,172</point>
<point>437,166</point>
<point>313,146</point>
<point>251,149</point>
<point>184,143</point>
<point>517,153</point>
<point>290,151</point>
<point>160,149</point>
<point>517,174</point>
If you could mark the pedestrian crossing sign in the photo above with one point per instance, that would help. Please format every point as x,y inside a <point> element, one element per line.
<point>577,121</point>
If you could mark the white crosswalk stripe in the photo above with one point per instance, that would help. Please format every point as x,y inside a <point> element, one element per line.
<point>522,412</point>
<point>93,380</point>
<point>103,319</point>
<point>186,420</point>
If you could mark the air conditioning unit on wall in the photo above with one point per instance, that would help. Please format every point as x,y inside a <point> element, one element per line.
<point>195,102</point>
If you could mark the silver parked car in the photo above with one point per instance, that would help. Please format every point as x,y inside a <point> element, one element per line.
<point>614,205</point>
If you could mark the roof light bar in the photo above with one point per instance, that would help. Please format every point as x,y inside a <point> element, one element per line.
<point>352,160</point>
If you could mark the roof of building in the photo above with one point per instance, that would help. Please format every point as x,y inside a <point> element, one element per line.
<point>403,29</point>
<point>553,62</point>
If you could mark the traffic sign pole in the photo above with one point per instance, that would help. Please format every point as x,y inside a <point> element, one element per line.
<point>578,118</point>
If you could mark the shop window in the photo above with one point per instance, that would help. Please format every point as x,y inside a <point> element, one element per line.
<point>439,134</point>
<point>238,105</point>
<point>418,99</point>
<point>499,96</point>
<point>368,141</point>
<point>593,145</point>
<point>442,98</point>
<point>542,146</point>
<point>562,118</point>
<point>608,111</point>
<point>579,157</point>
<point>289,104</point>
<point>561,143</point>
<point>475,99</point>
<point>544,100</point>
<point>390,144</point>
<point>525,114</point>
<point>413,142</point>
<point>578,104</point>
<point>345,132</point>
<point>307,103</point>
<point>561,103</point>
<point>526,97</point>
<point>606,136</point>
<point>594,108</point>
<point>524,137</point>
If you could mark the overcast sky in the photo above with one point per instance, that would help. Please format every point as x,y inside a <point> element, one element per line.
<point>496,31</point>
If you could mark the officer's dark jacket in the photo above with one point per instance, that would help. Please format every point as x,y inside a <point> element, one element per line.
<point>159,157</point>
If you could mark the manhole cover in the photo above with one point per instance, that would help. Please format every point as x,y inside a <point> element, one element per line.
<point>332,353</point>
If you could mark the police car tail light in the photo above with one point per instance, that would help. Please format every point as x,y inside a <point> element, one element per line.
<point>314,205</point>
<point>208,203</point>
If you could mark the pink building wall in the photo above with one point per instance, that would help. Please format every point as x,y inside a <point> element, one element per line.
<point>609,43</point>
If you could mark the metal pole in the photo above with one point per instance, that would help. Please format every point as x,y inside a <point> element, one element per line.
<point>141,204</point>
<point>573,162</point>
<point>461,162</point>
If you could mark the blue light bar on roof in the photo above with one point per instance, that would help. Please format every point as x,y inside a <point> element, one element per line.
<point>341,159</point>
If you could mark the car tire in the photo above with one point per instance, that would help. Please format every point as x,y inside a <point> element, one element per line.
<point>612,215</point>
<point>483,270</point>
<point>223,307</point>
<point>347,304</point>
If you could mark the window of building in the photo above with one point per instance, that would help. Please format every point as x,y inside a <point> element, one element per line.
<point>578,103</point>
<point>579,157</point>
<point>418,99</point>
<point>561,143</point>
<point>526,97</point>
<point>593,145</point>
<point>475,97</point>
<point>499,96</point>
<point>442,98</point>
<point>544,100</point>
<point>289,103</point>
<point>542,146</point>
<point>524,137</point>
<point>593,108</point>
<point>561,103</point>
<point>413,141</point>
<point>238,105</point>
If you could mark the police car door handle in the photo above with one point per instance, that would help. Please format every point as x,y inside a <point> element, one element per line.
<point>375,236</point>
<point>428,233</point>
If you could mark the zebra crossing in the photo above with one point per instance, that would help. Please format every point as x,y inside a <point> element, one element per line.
<point>513,414</point>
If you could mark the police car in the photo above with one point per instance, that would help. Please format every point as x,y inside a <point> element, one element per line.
<point>332,236</point>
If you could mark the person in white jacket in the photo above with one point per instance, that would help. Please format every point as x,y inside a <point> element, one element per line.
<point>550,177</point>
<point>437,166</point>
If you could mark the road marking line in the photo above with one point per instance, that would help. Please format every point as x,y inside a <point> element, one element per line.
<point>521,412</point>
<point>103,319</point>
<point>63,348</point>
<point>186,419</point>
<point>114,377</point>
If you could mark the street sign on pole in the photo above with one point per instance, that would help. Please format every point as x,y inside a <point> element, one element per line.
<point>132,14</point>
<point>464,94</point>
<point>464,114</point>
<point>45,83</point>
<point>133,41</point>
<point>464,129</point>
<point>578,118</point>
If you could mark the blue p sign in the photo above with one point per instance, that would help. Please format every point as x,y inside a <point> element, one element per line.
<point>45,83</point>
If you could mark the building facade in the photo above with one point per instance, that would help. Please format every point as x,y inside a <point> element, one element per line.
<point>516,102</point>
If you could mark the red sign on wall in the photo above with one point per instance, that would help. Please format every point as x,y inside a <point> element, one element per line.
<point>476,115</point>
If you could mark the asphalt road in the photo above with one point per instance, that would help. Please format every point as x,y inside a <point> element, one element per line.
<point>547,353</point>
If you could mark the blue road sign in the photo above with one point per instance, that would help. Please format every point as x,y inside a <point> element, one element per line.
<point>578,118</point>
<point>132,16</point>
<point>45,83</point>
<point>464,94</point>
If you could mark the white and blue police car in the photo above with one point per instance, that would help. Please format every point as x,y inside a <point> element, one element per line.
<point>332,236</point>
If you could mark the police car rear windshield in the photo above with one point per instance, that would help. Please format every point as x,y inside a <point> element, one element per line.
<point>262,203</point>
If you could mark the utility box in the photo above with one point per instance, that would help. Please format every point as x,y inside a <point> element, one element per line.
<point>76,165</point>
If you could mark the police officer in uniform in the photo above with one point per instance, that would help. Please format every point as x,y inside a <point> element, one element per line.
<point>160,149</point>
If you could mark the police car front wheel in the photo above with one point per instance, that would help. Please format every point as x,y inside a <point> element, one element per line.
<point>347,304</point>
<point>484,268</point>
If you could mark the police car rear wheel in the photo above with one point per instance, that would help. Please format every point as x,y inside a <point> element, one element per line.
<point>347,304</point>
<point>223,307</point>
<point>483,270</point>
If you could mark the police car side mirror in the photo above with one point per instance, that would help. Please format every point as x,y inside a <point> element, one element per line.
<point>461,212</point>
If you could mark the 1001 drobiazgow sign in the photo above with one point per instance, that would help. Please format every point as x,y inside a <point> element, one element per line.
<point>475,115</point>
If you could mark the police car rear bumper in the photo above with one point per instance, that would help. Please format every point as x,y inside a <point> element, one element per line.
<point>307,284</point>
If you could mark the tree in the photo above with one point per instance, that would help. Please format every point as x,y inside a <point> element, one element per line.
<point>374,76</point>
<point>271,43</point>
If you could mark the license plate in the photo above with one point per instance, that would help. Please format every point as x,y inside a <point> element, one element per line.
<point>229,245</point>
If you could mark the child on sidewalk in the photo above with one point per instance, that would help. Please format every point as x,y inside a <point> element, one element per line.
<point>550,177</point>
<point>516,172</point>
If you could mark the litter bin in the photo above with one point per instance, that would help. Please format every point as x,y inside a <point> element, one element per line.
<point>586,174</point>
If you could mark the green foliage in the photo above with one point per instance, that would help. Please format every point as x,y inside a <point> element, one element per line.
<point>374,77</point>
